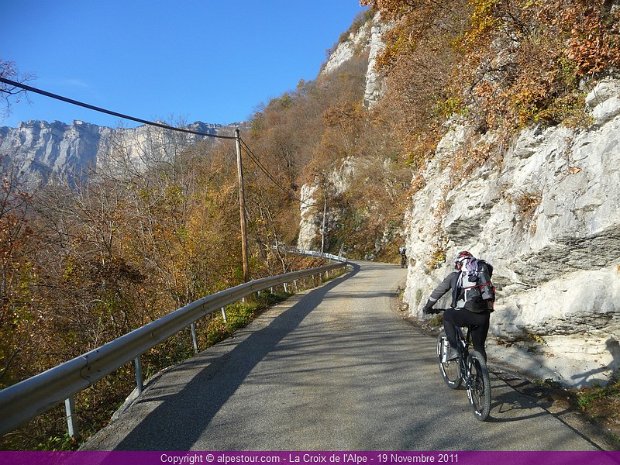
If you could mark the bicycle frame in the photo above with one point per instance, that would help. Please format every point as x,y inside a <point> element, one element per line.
<point>463,348</point>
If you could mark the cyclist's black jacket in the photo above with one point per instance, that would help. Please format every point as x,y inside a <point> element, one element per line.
<point>452,282</point>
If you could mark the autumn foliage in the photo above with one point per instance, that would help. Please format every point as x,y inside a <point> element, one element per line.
<point>322,134</point>
<point>502,63</point>
<point>82,266</point>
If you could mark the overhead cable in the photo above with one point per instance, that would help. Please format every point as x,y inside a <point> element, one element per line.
<point>109,112</point>
<point>255,159</point>
<point>258,163</point>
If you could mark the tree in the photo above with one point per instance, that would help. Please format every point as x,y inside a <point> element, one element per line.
<point>10,94</point>
<point>16,270</point>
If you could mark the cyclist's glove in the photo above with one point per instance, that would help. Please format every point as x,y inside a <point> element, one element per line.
<point>428,307</point>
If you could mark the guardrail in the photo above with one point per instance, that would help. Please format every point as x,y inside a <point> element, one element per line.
<point>34,396</point>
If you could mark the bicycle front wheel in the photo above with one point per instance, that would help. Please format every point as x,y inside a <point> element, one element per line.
<point>478,385</point>
<point>450,370</point>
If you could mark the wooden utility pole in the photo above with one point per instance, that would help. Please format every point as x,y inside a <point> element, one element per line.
<point>244,234</point>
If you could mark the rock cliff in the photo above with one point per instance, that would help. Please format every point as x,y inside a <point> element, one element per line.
<point>547,217</point>
<point>70,151</point>
<point>367,40</point>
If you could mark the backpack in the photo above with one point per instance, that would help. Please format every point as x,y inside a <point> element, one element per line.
<point>475,286</point>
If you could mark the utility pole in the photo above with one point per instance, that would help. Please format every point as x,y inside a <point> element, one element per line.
<point>244,234</point>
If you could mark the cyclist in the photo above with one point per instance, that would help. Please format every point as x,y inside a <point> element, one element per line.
<point>403,256</point>
<point>475,314</point>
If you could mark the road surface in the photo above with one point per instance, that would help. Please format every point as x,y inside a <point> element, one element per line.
<point>334,368</point>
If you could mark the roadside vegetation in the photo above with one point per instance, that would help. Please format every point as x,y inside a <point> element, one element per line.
<point>602,405</point>
<point>96,405</point>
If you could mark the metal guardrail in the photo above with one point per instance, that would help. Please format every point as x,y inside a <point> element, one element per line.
<point>311,253</point>
<point>34,396</point>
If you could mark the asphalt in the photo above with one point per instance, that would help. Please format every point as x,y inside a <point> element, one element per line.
<point>334,368</point>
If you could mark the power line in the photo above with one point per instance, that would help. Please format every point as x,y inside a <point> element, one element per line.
<point>254,158</point>
<point>251,154</point>
<point>109,112</point>
<point>236,137</point>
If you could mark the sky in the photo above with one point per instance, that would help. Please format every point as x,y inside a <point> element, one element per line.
<point>214,61</point>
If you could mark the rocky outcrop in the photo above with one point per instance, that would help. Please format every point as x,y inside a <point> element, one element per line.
<point>547,217</point>
<point>375,82</point>
<point>353,45</point>
<point>313,208</point>
<point>368,39</point>
<point>310,222</point>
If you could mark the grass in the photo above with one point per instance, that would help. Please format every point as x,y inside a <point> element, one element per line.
<point>601,404</point>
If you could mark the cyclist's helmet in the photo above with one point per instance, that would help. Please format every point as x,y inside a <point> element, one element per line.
<point>460,258</point>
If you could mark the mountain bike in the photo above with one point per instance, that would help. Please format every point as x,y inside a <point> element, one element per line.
<point>469,368</point>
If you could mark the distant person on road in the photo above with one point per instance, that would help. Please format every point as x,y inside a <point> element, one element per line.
<point>472,300</point>
<point>403,256</point>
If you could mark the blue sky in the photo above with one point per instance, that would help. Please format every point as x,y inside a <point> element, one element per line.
<point>183,60</point>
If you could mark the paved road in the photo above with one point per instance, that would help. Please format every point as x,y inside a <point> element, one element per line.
<point>334,368</point>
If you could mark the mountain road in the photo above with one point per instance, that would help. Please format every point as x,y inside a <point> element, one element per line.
<point>332,368</point>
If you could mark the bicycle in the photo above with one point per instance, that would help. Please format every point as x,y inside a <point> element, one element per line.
<point>469,368</point>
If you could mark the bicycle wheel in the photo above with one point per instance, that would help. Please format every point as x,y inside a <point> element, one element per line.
<point>478,385</point>
<point>450,370</point>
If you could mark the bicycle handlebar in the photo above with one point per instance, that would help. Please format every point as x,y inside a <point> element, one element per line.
<point>436,310</point>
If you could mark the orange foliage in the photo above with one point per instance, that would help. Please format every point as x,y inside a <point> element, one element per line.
<point>515,62</point>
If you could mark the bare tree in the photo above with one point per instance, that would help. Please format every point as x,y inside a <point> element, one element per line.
<point>10,93</point>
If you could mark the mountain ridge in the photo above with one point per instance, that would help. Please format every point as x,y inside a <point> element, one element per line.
<point>48,150</point>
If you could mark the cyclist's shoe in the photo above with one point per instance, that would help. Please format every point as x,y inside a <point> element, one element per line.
<point>451,354</point>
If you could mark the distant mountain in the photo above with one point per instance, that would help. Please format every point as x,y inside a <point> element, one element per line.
<point>70,151</point>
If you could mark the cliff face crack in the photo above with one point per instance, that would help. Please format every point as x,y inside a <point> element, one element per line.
<point>569,254</point>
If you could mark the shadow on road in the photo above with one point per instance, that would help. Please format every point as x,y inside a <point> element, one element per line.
<point>524,401</point>
<point>182,416</point>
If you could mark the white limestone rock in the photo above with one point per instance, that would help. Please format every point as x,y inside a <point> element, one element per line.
<point>71,151</point>
<point>557,263</point>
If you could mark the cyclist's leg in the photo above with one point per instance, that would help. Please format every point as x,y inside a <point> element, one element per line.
<point>479,323</point>
<point>449,320</point>
<point>479,331</point>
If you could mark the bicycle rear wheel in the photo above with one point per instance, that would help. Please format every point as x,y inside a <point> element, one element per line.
<point>478,386</point>
<point>450,370</point>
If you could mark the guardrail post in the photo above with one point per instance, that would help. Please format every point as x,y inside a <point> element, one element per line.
<point>137,364</point>
<point>192,328</point>
<point>71,420</point>
<point>295,286</point>
<point>224,314</point>
<point>285,289</point>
